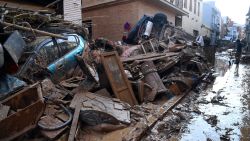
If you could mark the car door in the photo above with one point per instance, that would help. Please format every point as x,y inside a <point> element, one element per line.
<point>66,64</point>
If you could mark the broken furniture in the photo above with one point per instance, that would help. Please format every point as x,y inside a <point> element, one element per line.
<point>117,78</point>
<point>26,108</point>
<point>150,46</point>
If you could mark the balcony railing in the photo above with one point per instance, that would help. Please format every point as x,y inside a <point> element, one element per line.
<point>177,3</point>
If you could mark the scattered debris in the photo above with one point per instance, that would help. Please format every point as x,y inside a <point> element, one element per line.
<point>113,88</point>
<point>96,109</point>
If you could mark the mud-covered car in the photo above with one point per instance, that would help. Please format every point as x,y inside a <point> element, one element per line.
<point>51,57</point>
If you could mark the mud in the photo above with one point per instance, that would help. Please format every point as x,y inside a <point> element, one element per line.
<point>220,112</point>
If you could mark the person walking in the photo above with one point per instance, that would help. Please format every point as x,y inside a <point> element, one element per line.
<point>238,51</point>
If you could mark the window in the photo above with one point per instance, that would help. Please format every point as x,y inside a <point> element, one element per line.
<point>178,21</point>
<point>199,6</point>
<point>49,52</point>
<point>190,5</point>
<point>67,45</point>
<point>195,6</point>
<point>185,3</point>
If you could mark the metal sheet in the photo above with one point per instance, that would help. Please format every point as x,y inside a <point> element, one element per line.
<point>117,78</point>
<point>15,46</point>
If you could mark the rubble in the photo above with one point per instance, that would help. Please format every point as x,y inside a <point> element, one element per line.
<point>120,90</point>
<point>96,109</point>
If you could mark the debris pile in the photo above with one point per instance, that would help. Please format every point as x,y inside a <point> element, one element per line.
<point>117,90</point>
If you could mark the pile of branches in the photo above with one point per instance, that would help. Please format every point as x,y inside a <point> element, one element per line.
<point>40,20</point>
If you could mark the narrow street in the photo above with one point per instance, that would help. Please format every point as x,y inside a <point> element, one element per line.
<point>221,112</point>
<point>125,70</point>
<point>227,115</point>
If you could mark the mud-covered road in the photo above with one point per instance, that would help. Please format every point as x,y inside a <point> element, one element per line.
<point>220,112</point>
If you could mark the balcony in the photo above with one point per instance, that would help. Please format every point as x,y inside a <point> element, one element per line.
<point>177,3</point>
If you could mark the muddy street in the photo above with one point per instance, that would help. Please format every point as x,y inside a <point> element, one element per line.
<point>124,70</point>
<point>220,112</point>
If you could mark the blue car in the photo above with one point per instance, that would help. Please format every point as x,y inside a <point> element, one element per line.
<point>47,55</point>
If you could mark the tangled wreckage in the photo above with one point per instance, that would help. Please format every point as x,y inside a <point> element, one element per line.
<point>56,84</point>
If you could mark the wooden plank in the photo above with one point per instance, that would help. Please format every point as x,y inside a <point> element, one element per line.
<point>75,121</point>
<point>117,78</point>
<point>141,91</point>
<point>148,56</point>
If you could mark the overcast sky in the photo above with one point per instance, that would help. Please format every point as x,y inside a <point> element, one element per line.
<point>235,9</point>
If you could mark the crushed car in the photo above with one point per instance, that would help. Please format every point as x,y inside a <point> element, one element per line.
<point>52,57</point>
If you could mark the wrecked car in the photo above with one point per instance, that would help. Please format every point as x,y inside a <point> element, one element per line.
<point>51,57</point>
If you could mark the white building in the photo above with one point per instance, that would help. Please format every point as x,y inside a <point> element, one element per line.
<point>192,23</point>
<point>72,11</point>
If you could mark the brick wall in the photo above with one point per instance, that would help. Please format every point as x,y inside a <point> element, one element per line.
<point>108,21</point>
<point>89,3</point>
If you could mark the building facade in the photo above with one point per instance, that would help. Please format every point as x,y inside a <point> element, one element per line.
<point>211,21</point>
<point>192,23</point>
<point>106,18</point>
<point>72,11</point>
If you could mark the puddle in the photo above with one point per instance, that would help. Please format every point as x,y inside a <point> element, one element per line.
<point>230,106</point>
